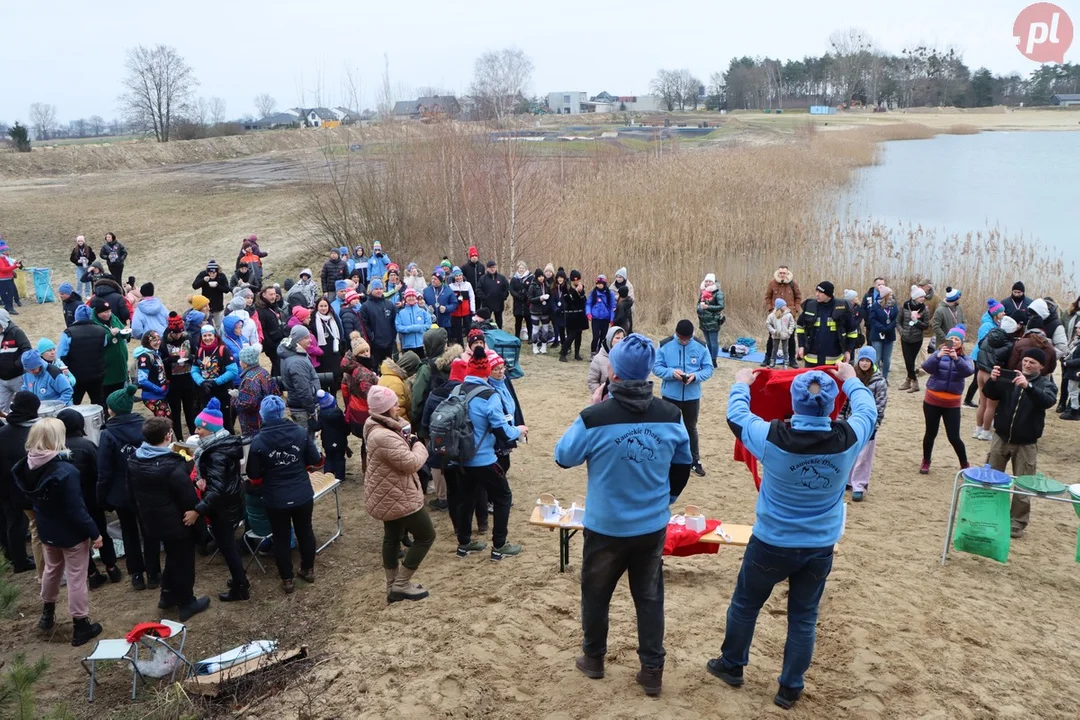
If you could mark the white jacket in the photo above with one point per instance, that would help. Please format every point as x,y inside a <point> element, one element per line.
<point>251,332</point>
<point>780,328</point>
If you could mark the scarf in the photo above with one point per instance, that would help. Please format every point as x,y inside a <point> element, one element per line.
<point>325,327</point>
<point>212,347</point>
<point>37,458</point>
<point>203,442</point>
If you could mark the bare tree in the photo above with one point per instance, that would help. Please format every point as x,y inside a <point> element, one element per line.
<point>500,80</point>
<point>96,125</point>
<point>852,50</point>
<point>199,112</point>
<point>386,96</point>
<point>666,85</point>
<point>217,110</point>
<point>265,105</point>
<point>78,127</point>
<point>43,119</point>
<point>117,127</point>
<point>158,88</point>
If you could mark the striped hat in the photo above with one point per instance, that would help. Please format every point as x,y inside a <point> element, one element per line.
<point>958,332</point>
<point>410,293</point>
<point>952,294</point>
<point>994,307</point>
<point>210,418</point>
<point>212,265</point>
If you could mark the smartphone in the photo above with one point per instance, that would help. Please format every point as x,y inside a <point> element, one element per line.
<point>1007,374</point>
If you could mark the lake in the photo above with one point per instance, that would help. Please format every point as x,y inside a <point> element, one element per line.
<point>1022,182</point>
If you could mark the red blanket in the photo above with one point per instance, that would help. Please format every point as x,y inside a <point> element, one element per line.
<point>770,399</point>
<point>681,542</point>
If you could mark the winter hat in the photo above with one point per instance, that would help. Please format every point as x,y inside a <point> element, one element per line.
<point>207,329</point>
<point>82,314</point>
<point>376,246</point>
<point>827,288</point>
<point>473,252</point>
<point>492,263</point>
<point>624,292</point>
<point>24,407</point>
<point>867,352</point>
<point>341,285</point>
<point>484,313</point>
<point>237,303</point>
<point>65,288</point>
<point>958,332</point>
<point>375,284</point>
<point>621,272</point>
<point>458,370</point>
<point>99,305</point>
<point>411,266</point>
<point>31,360</point>
<point>1009,326</point>
<point>710,279</point>
<point>393,267</point>
<point>326,400</point>
<point>410,293</point>
<point>455,271</point>
<point>5,318</point>
<point>351,295</point>
<point>409,362</point>
<point>1036,354</point>
<point>146,289</point>
<point>475,335</point>
<point>478,364</point>
<point>44,345</point>
<point>298,333</point>
<point>1019,286</point>
<point>779,303</point>
<point>850,295</point>
<point>575,274</point>
<point>343,251</point>
<point>538,274</point>
<point>952,294</point>
<point>358,344</point>
<point>210,418</point>
<point>271,408</point>
<point>917,292</point>
<point>305,271</point>
<point>884,292</point>
<point>121,401</point>
<point>381,399</point>
<point>250,355</point>
<point>301,313</point>
<point>633,358</point>
<point>806,399</point>
<point>253,238</point>
<point>438,272</point>
<point>1040,308</point>
<point>175,323</point>
<point>4,246</point>
<point>80,238</point>
<point>496,360</point>
<point>684,328</point>
<point>994,307</point>
<point>198,302</point>
<point>446,264</point>
<point>212,265</point>
<point>601,279</point>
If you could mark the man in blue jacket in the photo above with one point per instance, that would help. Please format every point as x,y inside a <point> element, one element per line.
<point>440,300</point>
<point>683,363</point>
<point>45,381</point>
<point>377,315</point>
<point>800,513</point>
<point>638,451</point>
<point>411,322</point>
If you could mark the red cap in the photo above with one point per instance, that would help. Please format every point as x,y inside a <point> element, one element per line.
<point>458,370</point>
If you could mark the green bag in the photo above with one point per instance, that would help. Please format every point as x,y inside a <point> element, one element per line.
<point>984,525</point>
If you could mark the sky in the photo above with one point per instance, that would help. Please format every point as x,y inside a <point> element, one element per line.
<point>73,57</point>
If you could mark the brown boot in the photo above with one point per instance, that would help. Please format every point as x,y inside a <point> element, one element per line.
<point>402,589</point>
<point>906,385</point>
<point>652,679</point>
<point>591,667</point>
<point>307,576</point>
<point>914,386</point>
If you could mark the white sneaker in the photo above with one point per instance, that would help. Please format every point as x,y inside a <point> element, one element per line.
<point>543,348</point>
<point>536,348</point>
<point>977,433</point>
<point>987,435</point>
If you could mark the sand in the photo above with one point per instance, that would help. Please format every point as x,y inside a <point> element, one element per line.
<point>899,636</point>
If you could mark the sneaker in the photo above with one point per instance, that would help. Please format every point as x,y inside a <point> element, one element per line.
<point>563,358</point>
<point>578,358</point>
<point>1016,533</point>
<point>439,505</point>
<point>698,470</point>
<point>977,433</point>
<point>1071,415</point>
<point>307,576</point>
<point>138,582</point>
<point>536,348</point>
<point>473,546</point>
<point>857,496</point>
<point>14,311</point>
<point>591,667</point>
<point>786,697</point>
<point>733,676</point>
<point>507,550</point>
<point>543,349</point>
<point>924,469</point>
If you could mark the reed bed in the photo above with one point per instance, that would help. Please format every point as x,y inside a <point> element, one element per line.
<point>962,129</point>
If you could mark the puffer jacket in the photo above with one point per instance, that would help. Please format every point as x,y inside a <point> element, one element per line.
<point>392,487</point>
<point>219,466</point>
<point>912,331</point>
<point>519,290</point>
<point>54,492</point>
<point>710,317</point>
<point>995,349</point>
<point>298,377</point>
<point>782,327</point>
<point>355,383</point>
<point>947,375</point>
<point>110,291</point>
<point>600,305</point>
<point>785,288</point>
<point>393,377</point>
<point>1037,339</point>
<point>1021,414</point>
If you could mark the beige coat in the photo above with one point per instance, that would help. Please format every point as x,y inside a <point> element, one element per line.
<point>392,487</point>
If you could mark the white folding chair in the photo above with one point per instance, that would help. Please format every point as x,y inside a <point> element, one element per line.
<point>120,650</point>
<point>253,541</point>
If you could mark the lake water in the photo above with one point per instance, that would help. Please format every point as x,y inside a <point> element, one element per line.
<point>1021,182</point>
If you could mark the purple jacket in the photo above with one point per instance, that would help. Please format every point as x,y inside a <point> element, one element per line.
<point>947,375</point>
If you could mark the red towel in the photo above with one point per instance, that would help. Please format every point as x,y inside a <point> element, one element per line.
<point>147,628</point>
<point>770,399</point>
<point>681,542</point>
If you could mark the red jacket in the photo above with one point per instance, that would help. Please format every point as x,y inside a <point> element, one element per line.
<point>7,268</point>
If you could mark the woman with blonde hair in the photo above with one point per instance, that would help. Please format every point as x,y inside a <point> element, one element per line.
<point>52,484</point>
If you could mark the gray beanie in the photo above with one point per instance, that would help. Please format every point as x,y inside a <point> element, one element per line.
<point>237,303</point>
<point>298,333</point>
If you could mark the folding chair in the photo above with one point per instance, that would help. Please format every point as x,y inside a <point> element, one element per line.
<point>257,526</point>
<point>124,651</point>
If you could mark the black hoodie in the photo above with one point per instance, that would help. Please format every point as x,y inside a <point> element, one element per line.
<point>163,492</point>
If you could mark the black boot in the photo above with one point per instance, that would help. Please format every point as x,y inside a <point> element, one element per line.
<point>84,631</point>
<point>166,600</point>
<point>193,608</point>
<point>237,591</point>
<point>48,616</point>
<point>95,580</point>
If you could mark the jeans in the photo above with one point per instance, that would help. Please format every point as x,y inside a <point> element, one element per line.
<point>493,480</point>
<point>883,348</point>
<point>911,354</point>
<point>604,561</point>
<point>335,465</point>
<point>178,578</point>
<point>8,388</point>
<point>712,341</point>
<point>70,563</point>
<point>142,554</point>
<point>423,533</point>
<point>85,289</point>
<point>7,294</point>
<point>225,537</point>
<point>934,415</point>
<point>763,567</point>
<point>599,332</point>
<point>296,518</point>
<point>690,410</point>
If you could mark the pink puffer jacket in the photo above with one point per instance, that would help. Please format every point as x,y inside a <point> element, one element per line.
<point>392,487</point>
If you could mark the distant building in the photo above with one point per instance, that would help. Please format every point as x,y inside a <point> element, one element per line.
<point>567,103</point>
<point>286,119</point>
<point>1065,99</point>
<point>623,103</point>
<point>429,107</point>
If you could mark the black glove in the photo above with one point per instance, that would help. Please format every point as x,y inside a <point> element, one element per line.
<point>208,386</point>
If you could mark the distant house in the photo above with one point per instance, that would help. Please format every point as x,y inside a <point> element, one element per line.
<point>623,103</point>
<point>321,117</point>
<point>1065,99</point>
<point>427,108</point>
<point>567,103</point>
<point>288,118</point>
<point>605,96</point>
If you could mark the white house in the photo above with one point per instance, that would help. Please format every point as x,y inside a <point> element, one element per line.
<point>605,103</point>
<point>567,103</point>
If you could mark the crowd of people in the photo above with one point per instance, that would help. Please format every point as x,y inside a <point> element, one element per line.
<point>254,384</point>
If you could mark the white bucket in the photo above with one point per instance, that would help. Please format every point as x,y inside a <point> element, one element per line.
<point>93,418</point>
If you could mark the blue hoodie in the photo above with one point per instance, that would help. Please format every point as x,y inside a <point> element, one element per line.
<point>411,322</point>
<point>376,266</point>
<point>805,467</point>
<point>692,359</point>
<point>985,326</point>
<point>487,418</point>
<point>150,314</point>
<point>234,342</point>
<point>193,322</point>
<point>49,384</point>
<point>445,297</point>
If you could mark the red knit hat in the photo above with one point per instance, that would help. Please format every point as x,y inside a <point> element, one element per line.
<point>458,370</point>
<point>479,366</point>
<point>476,334</point>
<point>175,322</point>
<point>473,252</point>
<point>301,313</point>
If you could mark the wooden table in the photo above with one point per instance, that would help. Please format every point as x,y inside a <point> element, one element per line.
<point>740,534</point>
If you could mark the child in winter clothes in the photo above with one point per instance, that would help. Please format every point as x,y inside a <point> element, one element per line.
<point>624,310</point>
<point>540,312</point>
<point>335,434</point>
<point>176,355</point>
<point>710,312</point>
<point>781,326</point>
<point>867,372</point>
<point>333,270</point>
<point>461,316</point>
<point>600,310</point>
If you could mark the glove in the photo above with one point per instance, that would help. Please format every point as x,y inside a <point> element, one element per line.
<point>234,393</point>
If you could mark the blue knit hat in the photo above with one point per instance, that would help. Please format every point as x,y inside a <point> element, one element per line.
<point>31,360</point>
<point>813,401</point>
<point>210,418</point>
<point>272,407</point>
<point>866,352</point>
<point>779,303</point>
<point>341,285</point>
<point>952,294</point>
<point>44,345</point>
<point>65,288</point>
<point>326,400</point>
<point>83,313</point>
<point>375,284</point>
<point>633,358</point>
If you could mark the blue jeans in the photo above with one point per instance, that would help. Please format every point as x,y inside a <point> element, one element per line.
<point>883,348</point>
<point>712,341</point>
<point>85,289</point>
<point>763,567</point>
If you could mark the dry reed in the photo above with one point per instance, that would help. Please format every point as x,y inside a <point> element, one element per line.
<point>962,129</point>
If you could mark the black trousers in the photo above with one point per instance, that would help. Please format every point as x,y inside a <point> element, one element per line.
<point>378,354</point>
<point>690,410</point>
<point>911,354</point>
<point>934,415</point>
<point>523,319</point>
<point>297,519</point>
<point>972,389</point>
<point>599,331</point>
<point>493,480</point>
<point>497,317</point>
<point>270,350</point>
<point>225,536</point>
<point>94,388</point>
<point>571,337</point>
<point>178,578</point>
<point>117,271</point>
<point>182,397</point>
<point>142,554</point>
<point>16,526</point>
<point>335,465</point>
<point>108,549</point>
<point>458,328</point>
<point>604,561</point>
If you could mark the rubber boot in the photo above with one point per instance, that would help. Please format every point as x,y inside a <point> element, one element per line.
<point>48,616</point>
<point>402,589</point>
<point>83,631</point>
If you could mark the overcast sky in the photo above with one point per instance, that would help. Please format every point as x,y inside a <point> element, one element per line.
<point>71,54</point>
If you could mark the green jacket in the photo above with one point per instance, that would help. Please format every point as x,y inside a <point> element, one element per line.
<point>116,353</point>
<point>711,317</point>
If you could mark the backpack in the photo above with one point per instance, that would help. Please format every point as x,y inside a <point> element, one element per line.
<point>450,430</point>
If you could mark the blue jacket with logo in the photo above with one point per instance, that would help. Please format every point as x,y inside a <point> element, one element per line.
<point>488,417</point>
<point>412,321</point>
<point>692,359</point>
<point>805,467</point>
<point>445,297</point>
<point>49,384</point>
<point>278,463</point>
<point>634,445</point>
